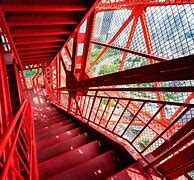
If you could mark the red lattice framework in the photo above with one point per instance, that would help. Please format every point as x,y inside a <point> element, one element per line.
<point>137,82</point>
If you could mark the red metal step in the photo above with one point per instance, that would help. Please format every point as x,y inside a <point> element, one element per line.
<point>49,113</point>
<point>48,122</point>
<point>134,171</point>
<point>68,160</point>
<point>48,117</point>
<point>98,168</point>
<point>59,138</point>
<point>53,126</point>
<point>64,151</point>
<point>62,147</point>
<point>55,131</point>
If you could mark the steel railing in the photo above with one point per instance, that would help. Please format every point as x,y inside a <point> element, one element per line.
<point>17,146</point>
<point>136,122</point>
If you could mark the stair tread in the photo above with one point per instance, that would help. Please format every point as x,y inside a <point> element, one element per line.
<point>47,122</point>
<point>65,151</point>
<point>58,138</point>
<point>53,126</point>
<point>49,117</point>
<point>135,171</point>
<point>54,132</point>
<point>98,168</point>
<point>67,160</point>
<point>51,114</point>
<point>62,147</point>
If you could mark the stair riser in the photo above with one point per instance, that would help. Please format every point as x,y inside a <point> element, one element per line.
<point>55,132</point>
<point>53,126</point>
<point>98,168</point>
<point>60,138</point>
<point>48,123</point>
<point>63,147</point>
<point>50,118</point>
<point>68,160</point>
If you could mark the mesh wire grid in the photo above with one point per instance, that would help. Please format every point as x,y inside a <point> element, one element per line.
<point>170,32</point>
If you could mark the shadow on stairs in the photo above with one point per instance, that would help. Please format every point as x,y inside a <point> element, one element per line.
<point>67,150</point>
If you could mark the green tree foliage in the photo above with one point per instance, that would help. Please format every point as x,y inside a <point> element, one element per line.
<point>143,143</point>
<point>95,52</point>
<point>104,101</point>
<point>29,73</point>
<point>168,96</point>
<point>111,68</point>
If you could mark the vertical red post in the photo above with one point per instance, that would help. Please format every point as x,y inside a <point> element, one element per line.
<point>87,37</point>
<point>57,77</point>
<point>5,93</point>
<point>74,53</point>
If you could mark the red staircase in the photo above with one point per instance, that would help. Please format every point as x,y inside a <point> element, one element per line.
<point>66,151</point>
<point>118,97</point>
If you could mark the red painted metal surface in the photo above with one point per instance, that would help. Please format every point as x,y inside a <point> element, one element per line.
<point>40,24</point>
<point>139,102</point>
<point>19,134</point>
<point>5,94</point>
<point>94,105</point>
<point>17,143</point>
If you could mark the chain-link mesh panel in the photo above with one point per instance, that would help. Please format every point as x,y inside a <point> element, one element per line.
<point>108,23</point>
<point>144,139</point>
<point>171,30</point>
<point>161,30</point>
<point>64,99</point>
<point>155,145</point>
<point>181,122</point>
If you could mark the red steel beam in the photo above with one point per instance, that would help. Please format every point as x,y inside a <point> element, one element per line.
<point>87,37</point>
<point>54,33</point>
<point>68,52</point>
<point>37,56</point>
<point>35,62</point>
<point>29,52</point>
<point>28,64</point>
<point>8,35</point>
<point>38,40</point>
<point>37,59</point>
<point>74,53</point>
<point>130,38</point>
<point>177,69</point>
<point>147,3</point>
<point>154,89</point>
<point>93,24</point>
<point>20,17</point>
<point>188,127</point>
<point>41,23</point>
<point>4,92</point>
<point>39,31</point>
<point>22,48</point>
<point>130,18</point>
<point>149,47</point>
<point>48,56</point>
<point>40,53</point>
<point>147,55</point>
<point>81,22</point>
<point>42,8</point>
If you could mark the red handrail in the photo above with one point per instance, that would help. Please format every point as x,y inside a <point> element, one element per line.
<point>91,109</point>
<point>15,132</point>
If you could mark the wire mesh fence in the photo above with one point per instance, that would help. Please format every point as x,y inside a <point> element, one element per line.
<point>157,28</point>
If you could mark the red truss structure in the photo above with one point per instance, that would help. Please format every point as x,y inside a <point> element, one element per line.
<point>97,89</point>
